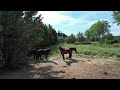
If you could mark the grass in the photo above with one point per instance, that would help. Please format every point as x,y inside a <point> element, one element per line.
<point>92,49</point>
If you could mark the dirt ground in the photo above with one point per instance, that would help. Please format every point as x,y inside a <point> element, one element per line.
<point>79,67</point>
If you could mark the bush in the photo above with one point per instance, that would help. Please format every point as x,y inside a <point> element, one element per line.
<point>61,40</point>
<point>77,43</point>
<point>70,39</point>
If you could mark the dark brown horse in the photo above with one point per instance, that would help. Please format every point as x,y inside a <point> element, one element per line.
<point>66,51</point>
<point>45,52</point>
<point>36,53</point>
<point>33,53</point>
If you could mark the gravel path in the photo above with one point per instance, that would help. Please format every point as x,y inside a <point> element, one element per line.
<point>79,67</point>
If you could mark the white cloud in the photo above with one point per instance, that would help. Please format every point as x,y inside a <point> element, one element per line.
<point>58,17</point>
<point>54,17</point>
<point>65,20</point>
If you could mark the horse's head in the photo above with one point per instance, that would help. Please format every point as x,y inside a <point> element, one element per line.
<point>74,49</point>
<point>49,50</point>
<point>60,47</point>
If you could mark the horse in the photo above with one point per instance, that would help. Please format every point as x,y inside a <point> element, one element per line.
<point>33,53</point>
<point>46,52</point>
<point>67,51</point>
<point>36,53</point>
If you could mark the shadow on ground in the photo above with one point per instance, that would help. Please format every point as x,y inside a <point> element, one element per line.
<point>70,61</point>
<point>29,71</point>
<point>42,73</point>
<point>41,61</point>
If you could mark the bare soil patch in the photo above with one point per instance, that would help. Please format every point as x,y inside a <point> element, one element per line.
<point>79,67</point>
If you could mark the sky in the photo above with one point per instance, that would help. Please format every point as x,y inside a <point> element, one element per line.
<point>70,22</point>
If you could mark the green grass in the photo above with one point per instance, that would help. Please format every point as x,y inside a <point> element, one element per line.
<point>92,49</point>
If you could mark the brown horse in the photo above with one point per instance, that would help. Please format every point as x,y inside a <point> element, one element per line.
<point>66,51</point>
<point>33,53</point>
<point>46,52</point>
<point>36,53</point>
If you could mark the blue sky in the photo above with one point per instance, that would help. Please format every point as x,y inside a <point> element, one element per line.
<point>77,21</point>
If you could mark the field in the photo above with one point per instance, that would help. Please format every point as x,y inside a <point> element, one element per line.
<point>100,50</point>
<point>92,62</point>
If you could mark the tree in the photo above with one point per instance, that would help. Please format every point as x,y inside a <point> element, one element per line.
<point>116,17</point>
<point>107,38</point>
<point>8,20</point>
<point>61,40</point>
<point>80,37</point>
<point>88,35</point>
<point>16,30</point>
<point>60,34</point>
<point>53,35</point>
<point>21,31</point>
<point>71,39</point>
<point>55,39</point>
<point>97,30</point>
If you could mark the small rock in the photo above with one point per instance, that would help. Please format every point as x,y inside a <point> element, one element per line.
<point>64,66</point>
<point>105,73</point>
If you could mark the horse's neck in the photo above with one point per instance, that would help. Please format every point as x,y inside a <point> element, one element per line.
<point>73,49</point>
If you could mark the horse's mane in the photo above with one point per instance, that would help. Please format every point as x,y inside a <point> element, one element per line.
<point>72,48</point>
<point>45,49</point>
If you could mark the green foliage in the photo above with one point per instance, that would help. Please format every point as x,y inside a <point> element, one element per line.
<point>116,17</point>
<point>21,31</point>
<point>88,35</point>
<point>110,39</point>
<point>61,40</point>
<point>101,50</point>
<point>97,30</point>
<point>80,37</point>
<point>71,39</point>
<point>107,38</point>
<point>60,34</point>
<point>85,42</point>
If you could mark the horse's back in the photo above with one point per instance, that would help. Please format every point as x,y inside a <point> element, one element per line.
<point>44,51</point>
<point>67,49</point>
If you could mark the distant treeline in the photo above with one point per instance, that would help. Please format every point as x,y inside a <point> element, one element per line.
<point>97,32</point>
<point>81,39</point>
<point>60,34</point>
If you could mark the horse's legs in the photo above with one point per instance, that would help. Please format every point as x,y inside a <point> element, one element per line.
<point>40,56</point>
<point>34,56</point>
<point>63,57</point>
<point>37,56</point>
<point>46,56</point>
<point>70,55</point>
<point>30,55</point>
